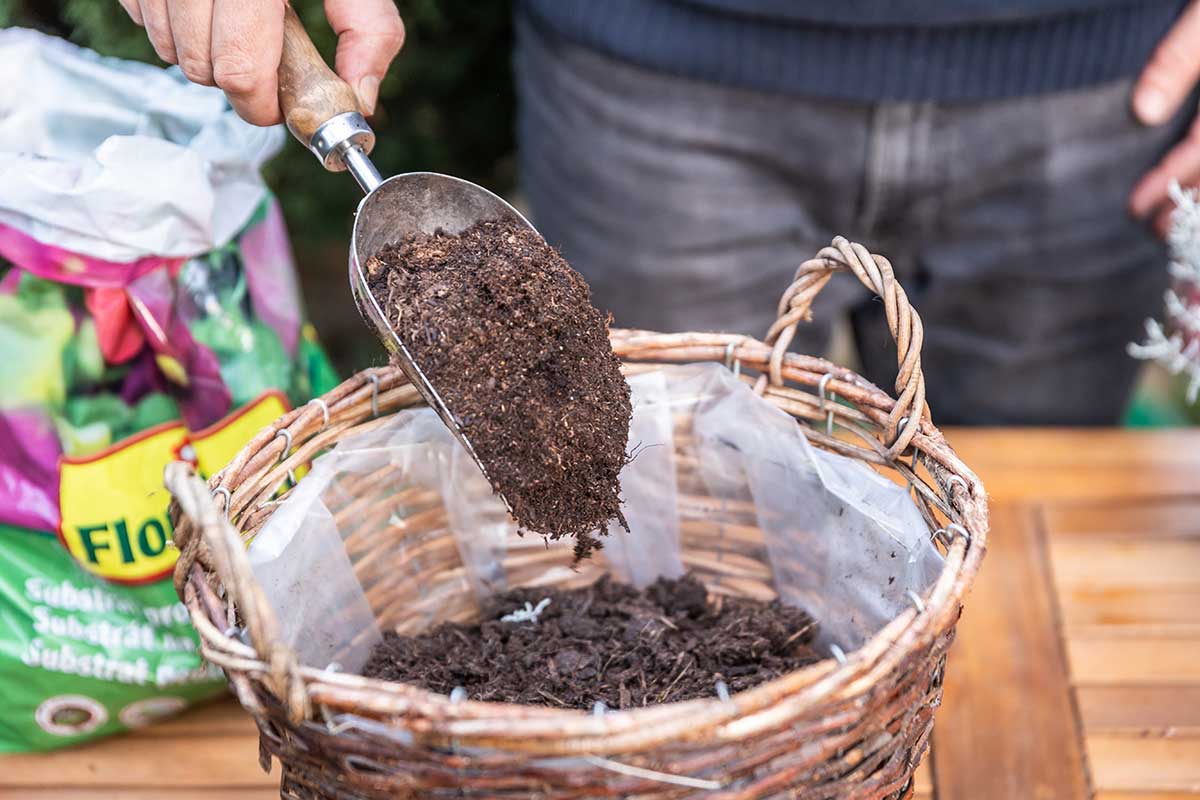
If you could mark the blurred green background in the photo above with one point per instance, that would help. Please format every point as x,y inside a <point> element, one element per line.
<point>447,105</point>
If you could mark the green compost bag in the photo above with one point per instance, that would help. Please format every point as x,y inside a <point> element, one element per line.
<point>149,311</point>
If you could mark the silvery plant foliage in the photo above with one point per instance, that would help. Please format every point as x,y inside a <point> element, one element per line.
<point>1174,342</point>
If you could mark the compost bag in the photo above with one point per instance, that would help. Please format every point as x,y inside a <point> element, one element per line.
<point>843,542</point>
<point>148,311</point>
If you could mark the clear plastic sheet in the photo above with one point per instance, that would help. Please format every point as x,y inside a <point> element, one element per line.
<point>711,460</point>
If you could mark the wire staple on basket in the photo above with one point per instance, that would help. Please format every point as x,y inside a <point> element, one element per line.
<point>732,363</point>
<point>287,449</point>
<point>374,381</point>
<point>958,530</point>
<point>287,443</point>
<point>821,388</point>
<point>228,495</point>
<point>324,411</point>
<point>952,531</point>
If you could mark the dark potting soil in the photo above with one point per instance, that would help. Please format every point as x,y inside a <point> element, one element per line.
<point>505,331</point>
<point>607,642</point>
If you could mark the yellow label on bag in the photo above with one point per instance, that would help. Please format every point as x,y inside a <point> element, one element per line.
<point>113,504</point>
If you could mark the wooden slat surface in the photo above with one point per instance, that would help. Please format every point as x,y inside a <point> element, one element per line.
<point>1122,605</point>
<point>132,793</point>
<point>212,761</point>
<point>1077,667</point>
<point>208,753</point>
<point>1133,763</point>
<point>1126,563</point>
<point>1119,513</point>
<point>1076,465</point>
<point>1006,726</point>
<point>1036,449</point>
<point>1126,571</point>
<point>1170,517</point>
<point>1138,710</point>
<point>923,781</point>
<point>1121,660</point>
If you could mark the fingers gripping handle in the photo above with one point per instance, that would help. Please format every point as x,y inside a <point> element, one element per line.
<point>875,272</point>
<point>310,93</point>
<point>320,109</point>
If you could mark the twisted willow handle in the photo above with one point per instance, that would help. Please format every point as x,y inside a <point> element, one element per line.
<point>204,529</point>
<point>876,274</point>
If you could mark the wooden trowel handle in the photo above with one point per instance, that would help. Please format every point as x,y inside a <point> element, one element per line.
<point>310,93</point>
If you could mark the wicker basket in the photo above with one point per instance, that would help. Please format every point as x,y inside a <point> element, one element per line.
<point>852,726</point>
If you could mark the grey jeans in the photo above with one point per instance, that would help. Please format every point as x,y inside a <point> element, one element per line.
<point>688,206</point>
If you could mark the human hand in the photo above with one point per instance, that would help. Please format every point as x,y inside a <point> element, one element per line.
<point>236,45</point>
<point>1164,85</point>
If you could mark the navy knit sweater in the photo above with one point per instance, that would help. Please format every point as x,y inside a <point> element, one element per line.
<point>872,50</point>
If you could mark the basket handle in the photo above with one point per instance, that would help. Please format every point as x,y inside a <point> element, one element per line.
<point>203,528</point>
<point>876,274</point>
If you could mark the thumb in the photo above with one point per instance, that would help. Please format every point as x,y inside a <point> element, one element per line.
<point>370,33</point>
<point>1172,71</point>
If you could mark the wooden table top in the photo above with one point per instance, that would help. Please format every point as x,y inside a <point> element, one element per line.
<point>1076,672</point>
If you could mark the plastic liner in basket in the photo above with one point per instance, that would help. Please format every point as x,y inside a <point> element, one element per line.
<point>709,456</point>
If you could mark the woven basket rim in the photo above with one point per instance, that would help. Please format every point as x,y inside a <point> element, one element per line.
<point>957,495</point>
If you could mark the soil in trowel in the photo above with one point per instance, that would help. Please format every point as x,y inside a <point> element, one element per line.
<point>505,331</point>
<point>606,642</point>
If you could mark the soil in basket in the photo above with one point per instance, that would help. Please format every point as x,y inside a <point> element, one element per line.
<point>506,332</point>
<point>606,642</point>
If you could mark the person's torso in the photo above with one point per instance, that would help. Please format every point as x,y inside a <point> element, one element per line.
<point>901,13</point>
<point>949,51</point>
